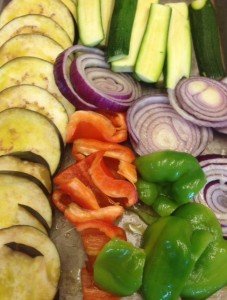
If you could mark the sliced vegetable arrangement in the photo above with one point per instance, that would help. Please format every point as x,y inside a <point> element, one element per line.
<point>129,151</point>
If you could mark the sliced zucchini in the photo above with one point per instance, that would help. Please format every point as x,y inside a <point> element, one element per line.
<point>29,163</point>
<point>127,63</point>
<point>89,22</point>
<point>107,7</point>
<point>53,9</point>
<point>206,39</point>
<point>26,130</point>
<point>22,276</point>
<point>179,45</point>
<point>37,99</point>
<point>18,193</point>
<point>38,24</point>
<point>152,53</point>
<point>35,71</point>
<point>120,29</point>
<point>35,45</point>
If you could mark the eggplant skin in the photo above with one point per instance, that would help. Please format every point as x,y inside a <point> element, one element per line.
<point>22,275</point>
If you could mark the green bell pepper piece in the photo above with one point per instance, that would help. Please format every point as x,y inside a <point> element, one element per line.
<point>177,175</point>
<point>118,268</point>
<point>209,274</point>
<point>167,244</point>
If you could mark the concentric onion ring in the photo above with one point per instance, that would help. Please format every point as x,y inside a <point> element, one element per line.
<point>214,194</point>
<point>88,83</point>
<point>154,125</point>
<point>201,100</point>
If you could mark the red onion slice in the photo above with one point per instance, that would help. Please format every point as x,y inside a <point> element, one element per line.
<point>201,100</point>
<point>88,83</point>
<point>154,125</point>
<point>214,194</point>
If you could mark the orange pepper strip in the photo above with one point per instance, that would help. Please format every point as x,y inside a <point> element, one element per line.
<point>84,147</point>
<point>128,171</point>
<point>90,124</point>
<point>80,193</point>
<point>75,214</point>
<point>115,188</point>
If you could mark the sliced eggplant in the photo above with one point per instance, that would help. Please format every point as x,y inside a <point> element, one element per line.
<point>53,9</point>
<point>35,45</point>
<point>26,130</point>
<point>18,193</point>
<point>23,277</point>
<point>71,5</point>
<point>37,99</point>
<point>29,164</point>
<point>34,71</point>
<point>35,24</point>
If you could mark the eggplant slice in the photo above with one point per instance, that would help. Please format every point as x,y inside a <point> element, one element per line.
<point>37,99</point>
<point>54,9</point>
<point>34,71</point>
<point>28,163</point>
<point>25,130</point>
<point>35,45</point>
<point>37,24</point>
<point>20,195</point>
<point>23,277</point>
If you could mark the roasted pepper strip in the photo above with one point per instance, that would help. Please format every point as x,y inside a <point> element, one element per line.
<point>122,190</point>
<point>84,147</point>
<point>173,176</point>
<point>95,125</point>
<point>118,268</point>
<point>168,258</point>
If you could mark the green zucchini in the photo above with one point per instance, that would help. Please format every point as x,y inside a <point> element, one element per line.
<point>120,29</point>
<point>142,12</point>
<point>179,45</point>
<point>89,22</point>
<point>152,53</point>
<point>206,40</point>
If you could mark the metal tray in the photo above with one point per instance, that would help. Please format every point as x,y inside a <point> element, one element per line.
<point>68,240</point>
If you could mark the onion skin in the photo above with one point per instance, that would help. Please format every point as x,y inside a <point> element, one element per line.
<point>88,83</point>
<point>201,100</point>
<point>154,125</point>
<point>214,193</point>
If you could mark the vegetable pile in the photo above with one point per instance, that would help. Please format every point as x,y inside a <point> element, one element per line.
<point>83,74</point>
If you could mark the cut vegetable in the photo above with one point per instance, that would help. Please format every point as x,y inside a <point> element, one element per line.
<point>35,98</point>
<point>107,7</point>
<point>35,71</point>
<point>120,29</point>
<point>139,25</point>
<point>25,130</point>
<point>54,9</point>
<point>89,22</point>
<point>21,274</point>
<point>152,53</point>
<point>37,24</point>
<point>20,194</point>
<point>179,46</point>
<point>28,163</point>
<point>206,41</point>
<point>71,5</point>
<point>35,45</point>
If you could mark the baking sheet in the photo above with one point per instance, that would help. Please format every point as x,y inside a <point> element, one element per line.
<point>67,239</point>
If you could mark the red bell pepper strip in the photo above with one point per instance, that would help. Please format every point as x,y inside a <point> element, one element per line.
<point>84,147</point>
<point>80,193</point>
<point>61,200</point>
<point>95,125</point>
<point>123,190</point>
<point>90,291</point>
<point>75,214</point>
